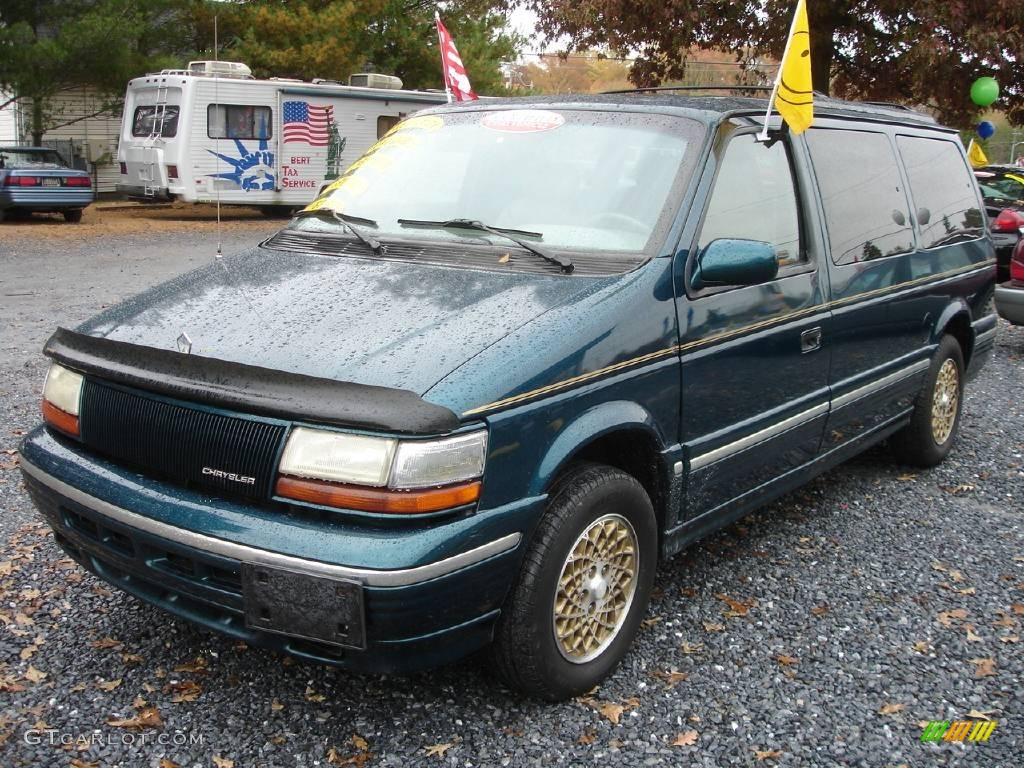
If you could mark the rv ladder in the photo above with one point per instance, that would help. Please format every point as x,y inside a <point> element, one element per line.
<point>155,136</point>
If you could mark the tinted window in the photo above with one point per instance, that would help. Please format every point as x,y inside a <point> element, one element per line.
<point>148,122</point>
<point>754,198</point>
<point>235,121</point>
<point>866,210</point>
<point>942,189</point>
<point>385,123</point>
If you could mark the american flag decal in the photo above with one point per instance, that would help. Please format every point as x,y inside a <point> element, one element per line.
<point>306,124</point>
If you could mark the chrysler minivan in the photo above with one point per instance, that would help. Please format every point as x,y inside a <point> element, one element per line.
<point>519,353</point>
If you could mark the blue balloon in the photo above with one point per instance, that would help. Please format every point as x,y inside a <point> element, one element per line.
<point>986,130</point>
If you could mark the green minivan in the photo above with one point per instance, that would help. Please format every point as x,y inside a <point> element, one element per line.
<point>519,353</point>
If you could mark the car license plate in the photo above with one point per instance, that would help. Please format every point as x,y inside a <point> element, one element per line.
<point>51,182</point>
<point>299,605</point>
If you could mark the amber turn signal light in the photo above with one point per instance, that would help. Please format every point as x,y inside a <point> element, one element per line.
<point>60,420</point>
<point>377,499</point>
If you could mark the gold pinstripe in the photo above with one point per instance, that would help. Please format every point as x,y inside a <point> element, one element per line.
<point>680,348</point>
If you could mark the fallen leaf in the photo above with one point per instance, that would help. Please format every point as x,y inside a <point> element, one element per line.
<point>148,717</point>
<point>1009,638</point>
<point>711,626</point>
<point>921,647</point>
<point>906,478</point>
<point>106,642</point>
<point>967,591</point>
<point>945,618</point>
<point>77,763</point>
<point>504,259</point>
<point>685,739</point>
<point>438,749</point>
<point>278,740</point>
<point>1018,608</point>
<point>971,637</point>
<point>786,661</point>
<point>79,687</point>
<point>313,696</point>
<point>27,652</point>
<point>648,623</point>
<point>223,762</point>
<point>165,763</point>
<point>671,677</point>
<point>958,489</point>
<point>185,691</point>
<point>131,658</point>
<point>737,608</point>
<point>359,742</point>
<point>770,754</point>
<point>138,702</point>
<point>276,705</point>
<point>979,714</point>
<point>612,711</point>
<point>820,610</point>
<point>891,709</point>
<point>109,686</point>
<point>199,664</point>
<point>690,648</point>
<point>587,738</point>
<point>616,744</point>
<point>956,576</point>
<point>30,593</point>
<point>34,675</point>
<point>984,667</point>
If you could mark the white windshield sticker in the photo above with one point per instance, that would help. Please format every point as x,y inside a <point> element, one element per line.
<point>522,121</point>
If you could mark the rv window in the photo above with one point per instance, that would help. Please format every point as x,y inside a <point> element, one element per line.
<point>148,122</point>
<point>232,121</point>
<point>386,122</point>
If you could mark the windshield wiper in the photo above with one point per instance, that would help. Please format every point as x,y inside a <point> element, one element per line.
<point>512,234</point>
<point>349,221</point>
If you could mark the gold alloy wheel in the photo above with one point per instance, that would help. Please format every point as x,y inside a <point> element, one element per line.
<point>595,589</point>
<point>945,400</point>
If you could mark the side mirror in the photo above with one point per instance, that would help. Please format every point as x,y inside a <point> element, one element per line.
<point>735,262</point>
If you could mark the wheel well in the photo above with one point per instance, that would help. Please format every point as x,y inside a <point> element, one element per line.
<point>636,453</point>
<point>959,327</point>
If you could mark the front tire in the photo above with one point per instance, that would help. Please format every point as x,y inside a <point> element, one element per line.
<point>584,586</point>
<point>933,427</point>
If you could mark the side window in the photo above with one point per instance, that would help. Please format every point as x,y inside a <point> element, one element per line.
<point>754,199</point>
<point>862,193</point>
<point>943,191</point>
<point>237,121</point>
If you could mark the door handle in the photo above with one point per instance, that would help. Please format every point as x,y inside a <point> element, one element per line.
<point>810,340</point>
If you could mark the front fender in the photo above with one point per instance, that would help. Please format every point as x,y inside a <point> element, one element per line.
<point>592,424</point>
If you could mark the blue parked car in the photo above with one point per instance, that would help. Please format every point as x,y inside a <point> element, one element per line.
<point>37,180</point>
<point>518,354</point>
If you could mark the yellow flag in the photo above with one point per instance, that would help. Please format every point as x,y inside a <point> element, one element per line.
<point>976,154</point>
<point>794,97</point>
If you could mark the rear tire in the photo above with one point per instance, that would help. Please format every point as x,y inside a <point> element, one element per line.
<point>73,217</point>
<point>933,427</point>
<point>584,586</point>
<point>277,211</point>
<point>3,215</point>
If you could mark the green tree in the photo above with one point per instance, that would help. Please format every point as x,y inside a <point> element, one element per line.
<point>50,45</point>
<point>921,52</point>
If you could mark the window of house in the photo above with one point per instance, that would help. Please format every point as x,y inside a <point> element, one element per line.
<point>237,121</point>
<point>755,199</point>
<point>946,205</point>
<point>386,122</point>
<point>866,210</point>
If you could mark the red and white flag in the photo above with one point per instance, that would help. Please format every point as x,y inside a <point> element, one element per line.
<point>456,81</point>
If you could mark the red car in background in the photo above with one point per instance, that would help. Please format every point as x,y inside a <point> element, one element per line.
<point>1002,187</point>
<point>1010,295</point>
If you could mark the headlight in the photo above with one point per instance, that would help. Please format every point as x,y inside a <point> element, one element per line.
<point>61,394</point>
<point>376,474</point>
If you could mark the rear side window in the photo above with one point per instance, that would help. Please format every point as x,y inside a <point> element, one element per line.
<point>754,199</point>
<point>238,121</point>
<point>866,211</point>
<point>946,205</point>
<point>147,121</point>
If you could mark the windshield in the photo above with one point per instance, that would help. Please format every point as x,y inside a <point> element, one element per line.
<point>27,158</point>
<point>594,180</point>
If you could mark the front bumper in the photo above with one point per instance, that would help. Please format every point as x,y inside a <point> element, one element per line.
<point>1010,303</point>
<point>422,612</point>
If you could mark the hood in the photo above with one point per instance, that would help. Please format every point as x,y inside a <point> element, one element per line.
<point>383,323</point>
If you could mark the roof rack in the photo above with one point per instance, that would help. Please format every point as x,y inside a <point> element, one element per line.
<point>758,88</point>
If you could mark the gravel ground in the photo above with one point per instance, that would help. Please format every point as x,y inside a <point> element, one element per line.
<point>820,631</point>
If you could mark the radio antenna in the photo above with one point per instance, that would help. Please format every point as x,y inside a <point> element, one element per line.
<point>216,144</point>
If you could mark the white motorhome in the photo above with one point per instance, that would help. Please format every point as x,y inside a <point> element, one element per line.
<point>213,132</point>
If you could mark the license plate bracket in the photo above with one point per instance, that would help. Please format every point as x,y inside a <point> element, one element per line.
<point>51,182</point>
<point>302,605</point>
